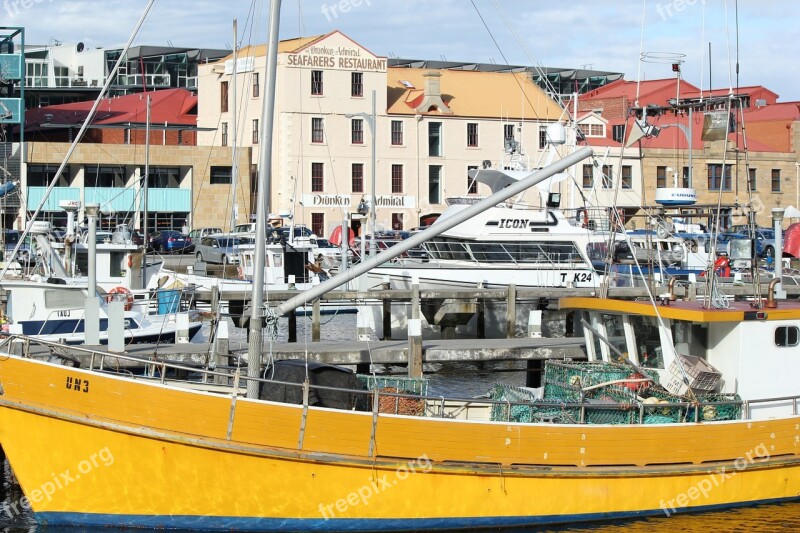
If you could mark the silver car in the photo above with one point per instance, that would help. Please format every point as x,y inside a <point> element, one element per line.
<point>223,249</point>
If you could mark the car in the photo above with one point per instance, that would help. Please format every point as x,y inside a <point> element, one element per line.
<point>764,239</point>
<point>199,233</point>
<point>250,227</point>
<point>221,248</point>
<point>169,241</point>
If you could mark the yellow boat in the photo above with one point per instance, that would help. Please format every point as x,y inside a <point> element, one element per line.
<point>97,448</point>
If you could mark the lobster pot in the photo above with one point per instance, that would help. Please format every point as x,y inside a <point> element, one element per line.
<point>700,376</point>
<point>563,381</point>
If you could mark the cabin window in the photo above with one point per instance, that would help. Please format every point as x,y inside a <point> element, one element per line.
<point>615,334</point>
<point>787,336</point>
<point>648,341</point>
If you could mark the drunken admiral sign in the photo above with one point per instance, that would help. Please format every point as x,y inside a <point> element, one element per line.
<point>336,52</point>
<point>347,201</point>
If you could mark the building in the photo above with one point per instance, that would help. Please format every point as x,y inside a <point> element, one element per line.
<point>432,125</point>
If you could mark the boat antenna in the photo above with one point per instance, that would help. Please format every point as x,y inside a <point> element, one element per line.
<point>112,76</point>
<point>641,55</point>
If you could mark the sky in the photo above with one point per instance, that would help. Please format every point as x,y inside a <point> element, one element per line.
<point>599,34</point>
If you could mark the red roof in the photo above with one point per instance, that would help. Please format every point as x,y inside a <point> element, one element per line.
<point>171,106</point>
<point>753,90</point>
<point>650,91</point>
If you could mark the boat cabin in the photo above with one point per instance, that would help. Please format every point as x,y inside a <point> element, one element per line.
<point>739,349</point>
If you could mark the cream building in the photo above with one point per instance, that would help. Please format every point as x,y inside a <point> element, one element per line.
<point>431,127</point>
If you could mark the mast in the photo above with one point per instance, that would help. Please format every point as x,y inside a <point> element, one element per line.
<point>144,191</point>
<point>255,348</point>
<point>234,165</point>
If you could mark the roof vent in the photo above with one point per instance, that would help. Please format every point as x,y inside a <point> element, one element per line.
<point>433,94</point>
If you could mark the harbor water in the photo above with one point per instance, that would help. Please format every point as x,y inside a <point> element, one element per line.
<point>460,379</point>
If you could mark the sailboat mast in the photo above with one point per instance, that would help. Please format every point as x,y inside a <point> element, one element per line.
<point>255,348</point>
<point>234,165</point>
<point>144,190</point>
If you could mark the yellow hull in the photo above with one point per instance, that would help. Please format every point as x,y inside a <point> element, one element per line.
<point>88,454</point>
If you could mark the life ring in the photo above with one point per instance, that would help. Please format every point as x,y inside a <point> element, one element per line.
<point>130,260</point>
<point>722,267</point>
<point>583,217</point>
<point>121,294</point>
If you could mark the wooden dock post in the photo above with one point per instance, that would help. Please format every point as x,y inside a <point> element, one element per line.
<point>511,311</point>
<point>315,321</point>
<point>415,336</point>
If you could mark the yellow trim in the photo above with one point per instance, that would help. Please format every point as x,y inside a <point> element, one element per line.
<point>674,311</point>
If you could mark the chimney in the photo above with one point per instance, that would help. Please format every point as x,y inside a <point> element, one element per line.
<point>433,94</point>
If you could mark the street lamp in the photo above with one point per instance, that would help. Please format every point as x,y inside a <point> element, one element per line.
<point>370,120</point>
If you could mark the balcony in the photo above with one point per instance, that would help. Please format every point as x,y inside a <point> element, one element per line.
<point>116,199</point>
<point>169,200</point>
<point>149,80</point>
<point>35,195</point>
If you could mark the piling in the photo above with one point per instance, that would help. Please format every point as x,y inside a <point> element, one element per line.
<point>511,311</point>
<point>415,336</point>
<point>315,321</point>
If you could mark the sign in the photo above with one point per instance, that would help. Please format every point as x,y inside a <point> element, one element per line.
<point>334,57</point>
<point>326,200</point>
<point>396,202</point>
<point>243,64</point>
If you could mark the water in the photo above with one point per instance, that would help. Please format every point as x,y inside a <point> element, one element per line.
<point>467,380</point>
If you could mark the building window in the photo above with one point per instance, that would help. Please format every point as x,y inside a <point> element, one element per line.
<point>97,176</point>
<point>397,179</point>
<point>256,86</point>
<point>435,139</point>
<point>787,336</point>
<point>661,177</point>
<point>588,176</point>
<point>358,177</point>
<point>223,97</point>
<point>255,131</point>
<point>397,133</point>
<point>164,178</point>
<point>776,179</point>
<point>357,84</point>
<point>472,184</point>
<point>472,134</point>
<point>357,131</point>
<point>224,134</point>
<point>542,137</point>
<point>751,179</point>
<point>126,136</point>
<point>316,83</point>
<point>318,223</point>
<point>220,176</point>
<point>593,130</point>
<point>508,132</point>
<point>397,221</point>
<point>317,176</point>
<point>626,178</point>
<point>434,184</point>
<point>317,130</point>
<point>686,181</point>
<point>42,175</point>
<point>715,177</point>
<point>618,133</point>
<point>608,176</point>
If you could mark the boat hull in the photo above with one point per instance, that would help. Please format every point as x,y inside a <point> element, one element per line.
<point>183,459</point>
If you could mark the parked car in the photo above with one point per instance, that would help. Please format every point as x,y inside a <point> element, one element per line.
<point>764,239</point>
<point>222,249</point>
<point>169,241</point>
<point>199,233</point>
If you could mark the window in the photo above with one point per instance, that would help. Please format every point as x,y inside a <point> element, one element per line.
<point>397,221</point>
<point>686,180</point>
<point>357,131</point>
<point>318,223</point>
<point>256,87</point>
<point>588,176</point>
<point>661,177</point>
<point>316,83</point>
<point>97,176</point>
<point>776,179</point>
<point>357,84</point>
<point>434,184</point>
<point>317,176</point>
<point>317,130</point>
<point>626,177</point>
<point>164,177</point>
<point>357,174</point>
<point>618,133</point>
<point>397,133</point>
<point>715,177</point>
<point>255,131</point>
<point>508,132</point>
<point>786,336</point>
<point>472,184</point>
<point>593,130</point>
<point>223,97</point>
<point>542,136</point>
<point>751,179</point>
<point>472,134</point>
<point>397,179</point>
<point>224,134</point>
<point>435,139</point>
<point>608,176</point>
<point>42,175</point>
<point>220,175</point>
<point>126,136</point>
